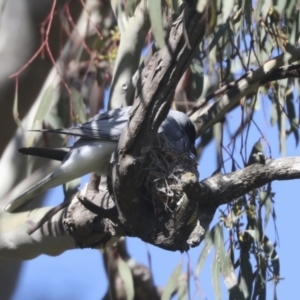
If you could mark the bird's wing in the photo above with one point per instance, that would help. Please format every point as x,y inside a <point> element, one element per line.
<point>56,154</point>
<point>105,126</point>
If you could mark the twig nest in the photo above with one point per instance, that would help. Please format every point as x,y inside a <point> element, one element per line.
<point>162,169</point>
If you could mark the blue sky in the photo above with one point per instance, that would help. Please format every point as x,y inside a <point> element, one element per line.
<point>79,274</point>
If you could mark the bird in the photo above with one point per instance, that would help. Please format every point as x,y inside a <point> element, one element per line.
<point>96,140</point>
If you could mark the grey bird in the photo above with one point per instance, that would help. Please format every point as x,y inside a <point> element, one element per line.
<point>92,151</point>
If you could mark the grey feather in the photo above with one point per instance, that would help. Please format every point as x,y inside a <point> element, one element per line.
<point>92,151</point>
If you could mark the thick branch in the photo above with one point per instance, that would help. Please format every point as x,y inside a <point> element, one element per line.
<point>90,230</point>
<point>133,33</point>
<point>50,239</point>
<point>144,286</point>
<point>71,227</point>
<point>153,100</point>
<point>223,188</point>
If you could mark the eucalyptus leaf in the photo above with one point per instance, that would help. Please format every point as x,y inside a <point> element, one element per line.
<point>227,270</point>
<point>201,4</point>
<point>44,106</point>
<point>175,6</point>
<point>227,8</point>
<point>78,106</point>
<point>198,80</point>
<point>126,276</point>
<point>42,111</point>
<point>131,4</point>
<point>182,293</point>
<point>16,112</point>
<point>172,284</point>
<point>155,12</point>
<point>204,253</point>
<point>267,203</point>
<point>271,252</point>
<point>217,238</point>
<point>291,112</point>
<point>215,276</point>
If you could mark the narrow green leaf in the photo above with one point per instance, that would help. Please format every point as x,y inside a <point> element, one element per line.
<point>204,253</point>
<point>30,159</point>
<point>227,8</point>
<point>217,36</point>
<point>281,5</point>
<point>16,112</point>
<point>267,203</point>
<point>78,106</point>
<point>290,8</point>
<point>230,279</point>
<point>272,254</point>
<point>217,133</point>
<point>216,235</point>
<point>201,4</point>
<point>290,106</point>
<point>54,121</point>
<point>126,276</point>
<point>131,5</point>
<point>155,12</point>
<point>274,115</point>
<point>246,276</point>
<point>281,90</point>
<point>291,112</point>
<point>198,79</point>
<point>41,113</point>
<point>44,106</point>
<point>215,276</point>
<point>228,272</point>
<point>183,289</point>
<point>172,284</point>
<point>175,6</point>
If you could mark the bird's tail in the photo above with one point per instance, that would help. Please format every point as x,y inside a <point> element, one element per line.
<point>43,185</point>
<point>56,154</point>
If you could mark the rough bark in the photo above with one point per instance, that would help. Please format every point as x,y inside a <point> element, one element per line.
<point>144,287</point>
<point>133,33</point>
<point>153,100</point>
<point>223,188</point>
<point>91,230</point>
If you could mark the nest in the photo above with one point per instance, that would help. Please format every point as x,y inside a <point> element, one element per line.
<point>162,169</point>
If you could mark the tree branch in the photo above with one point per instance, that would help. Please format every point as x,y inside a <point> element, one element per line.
<point>50,239</point>
<point>205,117</point>
<point>224,188</point>
<point>154,96</point>
<point>89,230</point>
<point>133,33</point>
